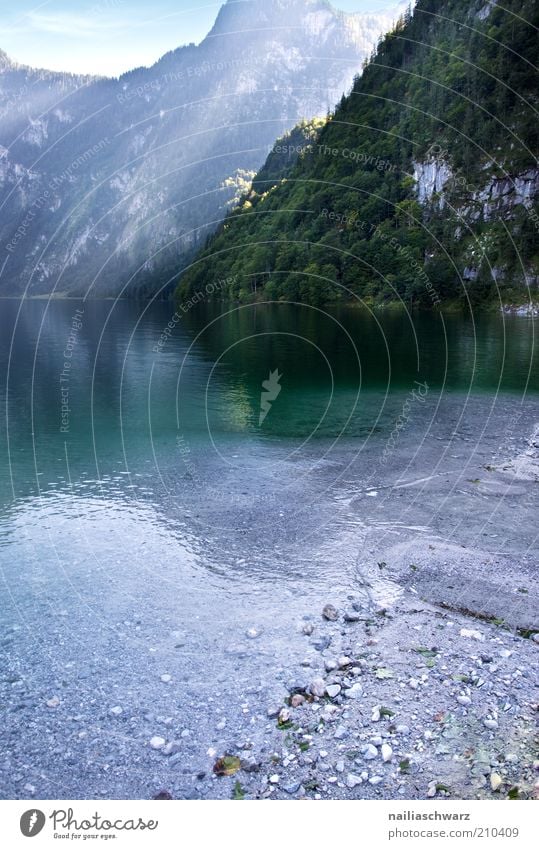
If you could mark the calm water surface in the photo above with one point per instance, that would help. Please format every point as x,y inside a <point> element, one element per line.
<point>142,404</point>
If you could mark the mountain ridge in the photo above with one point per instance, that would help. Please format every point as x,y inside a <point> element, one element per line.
<point>173,146</point>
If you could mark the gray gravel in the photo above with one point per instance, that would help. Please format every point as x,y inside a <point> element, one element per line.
<point>421,684</point>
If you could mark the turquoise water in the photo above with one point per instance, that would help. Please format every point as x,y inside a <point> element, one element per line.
<point>139,401</point>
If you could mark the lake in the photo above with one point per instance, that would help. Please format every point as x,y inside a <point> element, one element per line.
<point>178,489</point>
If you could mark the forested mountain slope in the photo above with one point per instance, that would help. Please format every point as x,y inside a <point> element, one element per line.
<point>421,186</point>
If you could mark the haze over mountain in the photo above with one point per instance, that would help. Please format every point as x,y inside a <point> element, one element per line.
<point>106,183</point>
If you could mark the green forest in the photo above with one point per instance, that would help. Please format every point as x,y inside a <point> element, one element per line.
<point>335,214</point>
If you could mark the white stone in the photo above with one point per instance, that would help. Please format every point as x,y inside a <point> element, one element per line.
<point>354,692</point>
<point>333,690</point>
<point>496,781</point>
<point>370,752</point>
<point>387,752</point>
<point>157,742</point>
<point>353,780</point>
<point>317,687</point>
<point>471,634</point>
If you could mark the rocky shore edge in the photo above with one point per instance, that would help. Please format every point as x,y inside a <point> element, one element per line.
<point>528,310</point>
<point>406,702</point>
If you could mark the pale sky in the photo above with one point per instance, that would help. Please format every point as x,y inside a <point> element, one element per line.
<point>112,36</point>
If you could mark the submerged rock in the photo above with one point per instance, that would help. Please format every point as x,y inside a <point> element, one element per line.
<point>351,616</point>
<point>322,643</point>
<point>330,613</point>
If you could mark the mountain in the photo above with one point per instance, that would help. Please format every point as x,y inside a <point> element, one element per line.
<point>423,184</point>
<point>105,184</point>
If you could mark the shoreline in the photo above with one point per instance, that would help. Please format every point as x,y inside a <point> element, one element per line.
<point>411,702</point>
<point>524,309</point>
<point>419,685</point>
<point>404,700</point>
<point>174,681</point>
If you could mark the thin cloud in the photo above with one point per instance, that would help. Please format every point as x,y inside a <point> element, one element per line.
<point>75,26</point>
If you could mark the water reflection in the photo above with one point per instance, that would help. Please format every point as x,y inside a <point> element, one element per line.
<point>343,372</point>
